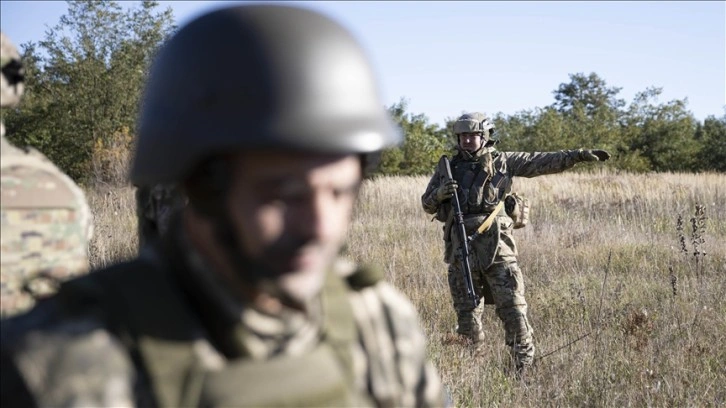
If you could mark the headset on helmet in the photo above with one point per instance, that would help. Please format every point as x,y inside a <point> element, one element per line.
<point>473,122</point>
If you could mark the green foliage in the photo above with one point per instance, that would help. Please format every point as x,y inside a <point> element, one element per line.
<point>588,93</point>
<point>664,133</point>
<point>647,136</point>
<point>712,138</point>
<point>86,84</point>
<point>423,144</point>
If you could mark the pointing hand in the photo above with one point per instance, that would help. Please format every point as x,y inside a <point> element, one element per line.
<point>594,155</point>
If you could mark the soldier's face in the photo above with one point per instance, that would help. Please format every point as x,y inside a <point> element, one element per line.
<point>470,142</point>
<point>292,212</point>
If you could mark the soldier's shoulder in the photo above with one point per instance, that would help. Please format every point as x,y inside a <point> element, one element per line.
<point>375,300</point>
<point>29,175</point>
<point>33,185</point>
<point>58,358</point>
<point>77,303</point>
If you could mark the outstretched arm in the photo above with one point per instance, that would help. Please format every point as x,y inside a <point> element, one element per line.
<point>523,164</point>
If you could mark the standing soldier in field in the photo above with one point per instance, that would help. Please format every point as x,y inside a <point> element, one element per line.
<point>482,179</point>
<point>266,116</point>
<point>46,221</point>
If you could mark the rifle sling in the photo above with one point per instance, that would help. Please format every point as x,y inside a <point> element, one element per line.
<point>490,219</point>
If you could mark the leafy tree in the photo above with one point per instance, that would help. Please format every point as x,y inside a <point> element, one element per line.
<point>590,93</point>
<point>85,87</point>
<point>664,134</point>
<point>423,144</point>
<point>712,135</point>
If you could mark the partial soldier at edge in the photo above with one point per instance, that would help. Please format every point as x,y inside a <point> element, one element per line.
<point>482,180</point>
<point>46,221</point>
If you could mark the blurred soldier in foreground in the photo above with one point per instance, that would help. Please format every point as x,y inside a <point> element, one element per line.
<point>46,222</point>
<point>482,179</point>
<point>267,116</point>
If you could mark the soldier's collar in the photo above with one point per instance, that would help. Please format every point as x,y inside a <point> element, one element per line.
<point>465,155</point>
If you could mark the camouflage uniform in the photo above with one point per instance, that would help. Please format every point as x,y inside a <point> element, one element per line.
<point>163,329</point>
<point>46,221</point>
<point>124,341</point>
<point>483,178</point>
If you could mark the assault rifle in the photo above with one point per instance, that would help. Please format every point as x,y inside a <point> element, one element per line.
<point>461,231</point>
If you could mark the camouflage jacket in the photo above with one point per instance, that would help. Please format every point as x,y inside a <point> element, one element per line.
<point>46,228</point>
<point>100,343</point>
<point>483,180</point>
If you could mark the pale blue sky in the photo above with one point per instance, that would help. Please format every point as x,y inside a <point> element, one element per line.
<point>449,57</point>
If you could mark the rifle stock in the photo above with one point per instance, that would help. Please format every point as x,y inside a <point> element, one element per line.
<point>463,238</point>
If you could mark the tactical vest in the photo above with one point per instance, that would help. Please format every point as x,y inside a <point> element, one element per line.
<point>476,180</point>
<point>161,330</point>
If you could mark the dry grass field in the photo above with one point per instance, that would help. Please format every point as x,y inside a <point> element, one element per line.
<point>605,259</point>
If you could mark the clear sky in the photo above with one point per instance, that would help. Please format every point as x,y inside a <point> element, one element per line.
<point>449,57</point>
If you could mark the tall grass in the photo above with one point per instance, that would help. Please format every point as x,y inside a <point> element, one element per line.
<point>614,260</point>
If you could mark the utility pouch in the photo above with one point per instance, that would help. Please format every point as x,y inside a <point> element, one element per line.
<point>517,208</point>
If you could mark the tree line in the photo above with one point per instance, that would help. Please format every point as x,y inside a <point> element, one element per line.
<point>85,78</point>
<point>643,135</point>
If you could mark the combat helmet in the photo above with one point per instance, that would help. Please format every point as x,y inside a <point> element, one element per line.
<point>474,122</point>
<point>257,77</point>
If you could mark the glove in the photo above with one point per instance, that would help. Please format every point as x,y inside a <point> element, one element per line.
<point>446,190</point>
<point>594,155</point>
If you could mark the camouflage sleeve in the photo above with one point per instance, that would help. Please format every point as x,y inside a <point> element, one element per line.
<point>47,226</point>
<point>72,363</point>
<point>523,164</point>
<point>391,363</point>
<point>428,199</point>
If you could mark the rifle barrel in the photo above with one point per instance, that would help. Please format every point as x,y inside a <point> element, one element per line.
<point>464,248</point>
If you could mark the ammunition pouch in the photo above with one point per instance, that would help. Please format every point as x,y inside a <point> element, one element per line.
<point>517,208</point>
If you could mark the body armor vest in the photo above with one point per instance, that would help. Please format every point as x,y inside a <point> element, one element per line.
<point>162,333</point>
<point>476,178</point>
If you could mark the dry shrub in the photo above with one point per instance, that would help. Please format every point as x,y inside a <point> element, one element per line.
<point>111,158</point>
<point>114,216</point>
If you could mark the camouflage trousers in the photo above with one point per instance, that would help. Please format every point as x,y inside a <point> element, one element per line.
<point>507,289</point>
